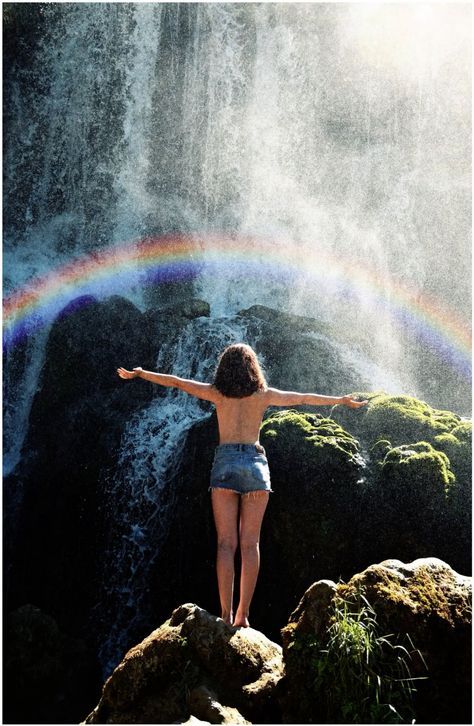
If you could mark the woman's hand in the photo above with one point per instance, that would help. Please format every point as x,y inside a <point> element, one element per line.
<point>123,373</point>
<point>351,402</point>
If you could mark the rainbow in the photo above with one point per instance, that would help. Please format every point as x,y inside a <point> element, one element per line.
<point>180,257</point>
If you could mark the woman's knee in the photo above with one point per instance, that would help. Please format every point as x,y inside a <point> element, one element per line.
<point>227,545</point>
<point>248,546</point>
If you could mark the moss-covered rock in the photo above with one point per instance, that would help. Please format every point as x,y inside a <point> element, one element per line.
<point>404,418</point>
<point>317,475</point>
<point>457,445</point>
<point>414,498</point>
<point>419,471</point>
<point>314,440</point>
<point>424,605</point>
<point>193,665</point>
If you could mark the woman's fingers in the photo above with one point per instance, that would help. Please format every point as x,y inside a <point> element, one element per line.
<point>353,403</point>
<point>123,373</point>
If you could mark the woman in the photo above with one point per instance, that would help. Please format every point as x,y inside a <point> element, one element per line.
<point>240,474</point>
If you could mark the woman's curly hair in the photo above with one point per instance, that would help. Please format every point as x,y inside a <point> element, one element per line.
<point>238,373</point>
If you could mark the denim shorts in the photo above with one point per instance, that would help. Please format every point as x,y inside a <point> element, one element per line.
<point>242,468</point>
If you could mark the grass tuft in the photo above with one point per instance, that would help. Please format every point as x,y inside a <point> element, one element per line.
<point>362,674</point>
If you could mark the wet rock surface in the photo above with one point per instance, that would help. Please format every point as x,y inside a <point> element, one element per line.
<point>194,665</point>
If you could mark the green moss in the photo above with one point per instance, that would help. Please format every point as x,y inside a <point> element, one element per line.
<point>414,503</point>
<point>379,449</point>
<point>308,434</point>
<point>415,600</point>
<point>402,418</point>
<point>463,432</point>
<point>457,446</point>
<point>316,468</point>
<point>419,464</point>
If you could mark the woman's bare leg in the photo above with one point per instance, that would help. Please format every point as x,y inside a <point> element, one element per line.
<point>225,506</point>
<point>252,509</point>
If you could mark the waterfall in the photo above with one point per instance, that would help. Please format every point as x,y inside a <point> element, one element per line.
<point>20,382</point>
<point>270,120</point>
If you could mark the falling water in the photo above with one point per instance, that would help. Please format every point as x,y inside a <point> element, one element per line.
<point>340,129</point>
<point>332,128</point>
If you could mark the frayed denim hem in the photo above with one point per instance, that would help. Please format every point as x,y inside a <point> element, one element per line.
<point>243,494</point>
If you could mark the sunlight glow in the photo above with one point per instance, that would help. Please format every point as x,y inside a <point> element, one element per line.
<point>409,38</point>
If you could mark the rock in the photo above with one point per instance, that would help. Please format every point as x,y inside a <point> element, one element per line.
<point>402,420</point>
<point>316,471</point>
<point>399,419</point>
<point>425,599</point>
<point>175,316</point>
<point>256,661</point>
<point>58,532</point>
<point>411,479</point>
<point>193,665</point>
<point>419,461</point>
<point>50,677</point>
<point>299,353</point>
<point>194,308</point>
<point>312,613</point>
<point>204,703</point>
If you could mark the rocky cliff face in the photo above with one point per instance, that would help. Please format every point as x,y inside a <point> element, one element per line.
<point>196,668</point>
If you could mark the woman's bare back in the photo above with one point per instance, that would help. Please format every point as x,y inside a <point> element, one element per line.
<point>239,419</point>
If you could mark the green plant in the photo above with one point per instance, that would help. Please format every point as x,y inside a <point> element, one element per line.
<point>362,675</point>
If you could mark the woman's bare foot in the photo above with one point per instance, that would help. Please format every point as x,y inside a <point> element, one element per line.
<point>241,621</point>
<point>227,618</point>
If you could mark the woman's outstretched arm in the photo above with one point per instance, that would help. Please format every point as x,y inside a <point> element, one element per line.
<point>195,388</point>
<point>275,397</point>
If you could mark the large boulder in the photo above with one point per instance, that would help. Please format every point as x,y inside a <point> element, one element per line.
<point>194,665</point>
<point>401,620</point>
<point>317,475</point>
<point>419,471</point>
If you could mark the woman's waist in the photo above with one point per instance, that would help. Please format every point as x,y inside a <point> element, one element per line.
<point>231,448</point>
